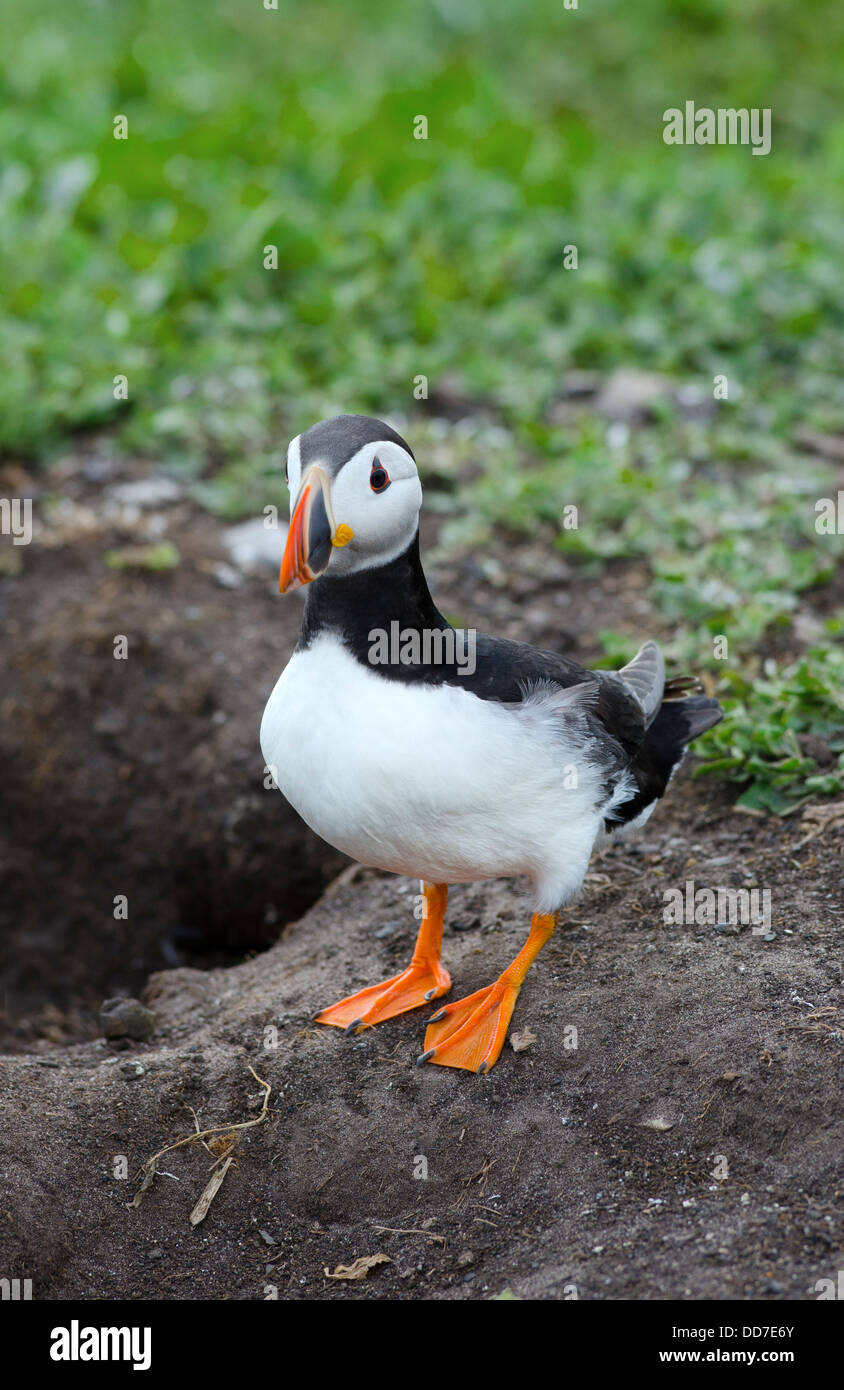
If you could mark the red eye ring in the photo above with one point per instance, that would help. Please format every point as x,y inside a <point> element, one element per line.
<point>379,478</point>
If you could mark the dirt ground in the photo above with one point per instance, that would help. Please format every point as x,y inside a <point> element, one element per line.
<point>673,1130</point>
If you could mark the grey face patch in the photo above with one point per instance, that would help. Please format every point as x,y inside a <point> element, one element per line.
<point>332,443</point>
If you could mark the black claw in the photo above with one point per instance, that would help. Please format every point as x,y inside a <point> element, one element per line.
<point>426,1056</point>
<point>352,1028</point>
<point>435,1018</point>
<point>431,993</point>
<point>483,1068</point>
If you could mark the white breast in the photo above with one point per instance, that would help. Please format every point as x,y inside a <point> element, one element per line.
<point>430,781</point>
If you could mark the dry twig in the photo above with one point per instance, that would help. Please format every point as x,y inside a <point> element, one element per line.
<point>148,1171</point>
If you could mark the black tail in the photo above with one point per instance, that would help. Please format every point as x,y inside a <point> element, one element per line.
<point>680,719</point>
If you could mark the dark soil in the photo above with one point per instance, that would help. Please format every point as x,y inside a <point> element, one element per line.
<point>590,1167</point>
<point>140,777</point>
<point>690,1144</point>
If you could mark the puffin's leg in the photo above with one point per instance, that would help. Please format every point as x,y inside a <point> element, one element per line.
<point>470,1033</point>
<point>423,980</point>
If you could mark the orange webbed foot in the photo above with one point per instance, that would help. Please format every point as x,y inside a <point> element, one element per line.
<point>423,980</point>
<point>415,986</point>
<point>470,1032</point>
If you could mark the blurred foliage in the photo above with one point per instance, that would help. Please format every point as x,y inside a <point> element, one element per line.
<point>250,127</point>
<point>397,257</point>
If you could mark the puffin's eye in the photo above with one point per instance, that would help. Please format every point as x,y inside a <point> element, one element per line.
<point>379,478</point>
<point>286,473</point>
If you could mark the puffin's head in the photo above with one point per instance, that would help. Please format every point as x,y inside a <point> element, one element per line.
<point>355,496</point>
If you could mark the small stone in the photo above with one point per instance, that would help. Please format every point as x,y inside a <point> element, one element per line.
<point>465,1258</point>
<point>226,576</point>
<point>156,1253</point>
<point>581,383</point>
<point>147,492</point>
<point>112,721</point>
<point>631,394</point>
<point>254,546</point>
<point>131,1070</point>
<point>387,930</point>
<point>127,1018</point>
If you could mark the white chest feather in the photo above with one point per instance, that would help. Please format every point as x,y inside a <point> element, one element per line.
<point>430,781</point>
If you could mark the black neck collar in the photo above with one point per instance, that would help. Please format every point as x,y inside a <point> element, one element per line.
<point>355,604</point>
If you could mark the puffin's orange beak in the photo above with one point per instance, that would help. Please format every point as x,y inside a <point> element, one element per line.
<point>313,532</point>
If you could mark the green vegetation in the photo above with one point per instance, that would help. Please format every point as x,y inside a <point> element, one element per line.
<point>760,741</point>
<point>399,257</point>
<point>162,556</point>
<point>732,548</point>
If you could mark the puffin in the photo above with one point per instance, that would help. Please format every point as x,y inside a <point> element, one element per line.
<point>441,754</point>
